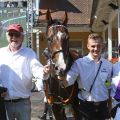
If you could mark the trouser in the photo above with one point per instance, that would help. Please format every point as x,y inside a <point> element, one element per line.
<point>19,109</point>
<point>2,110</point>
<point>92,110</point>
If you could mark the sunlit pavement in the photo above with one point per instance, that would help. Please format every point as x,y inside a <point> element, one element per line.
<point>37,106</point>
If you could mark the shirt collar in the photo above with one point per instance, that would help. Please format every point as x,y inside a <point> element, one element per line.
<point>90,59</point>
<point>21,48</point>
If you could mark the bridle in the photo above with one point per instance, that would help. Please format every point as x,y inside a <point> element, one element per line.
<point>62,50</point>
<point>56,52</point>
<point>54,26</point>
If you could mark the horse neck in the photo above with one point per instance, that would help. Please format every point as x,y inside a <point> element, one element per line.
<point>70,59</point>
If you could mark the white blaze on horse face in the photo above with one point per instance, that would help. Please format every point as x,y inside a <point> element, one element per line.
<point>61,62</point>
<point>59,34</point>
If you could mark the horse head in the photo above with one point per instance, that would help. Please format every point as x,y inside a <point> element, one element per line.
<point>58,40</point>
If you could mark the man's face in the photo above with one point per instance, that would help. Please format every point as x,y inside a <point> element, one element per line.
<point>14,38</point>
<point>95,47</point>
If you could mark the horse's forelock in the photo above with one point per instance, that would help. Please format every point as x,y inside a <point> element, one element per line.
<point>56,22</point>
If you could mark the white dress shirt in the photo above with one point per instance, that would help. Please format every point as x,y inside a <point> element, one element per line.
<point>17,70</point>
<point>84,70</point>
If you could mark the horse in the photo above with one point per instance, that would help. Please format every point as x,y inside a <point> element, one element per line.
<point>61,59</point>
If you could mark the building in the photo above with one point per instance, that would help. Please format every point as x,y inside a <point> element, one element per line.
<point>85,16</point>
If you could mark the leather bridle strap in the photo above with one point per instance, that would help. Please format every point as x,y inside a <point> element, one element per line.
<point>56,52</point>
<point>54,26</point>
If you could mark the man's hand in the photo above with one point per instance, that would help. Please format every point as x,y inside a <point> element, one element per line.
<point>4,94</point>
<point>63,80</point>
<point>3,91</point>
<point>46,69</point>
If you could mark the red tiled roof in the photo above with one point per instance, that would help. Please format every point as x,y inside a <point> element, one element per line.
<point>79,11</point>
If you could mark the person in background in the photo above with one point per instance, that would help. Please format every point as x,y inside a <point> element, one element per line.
<point>116,90</point>
<point>18,65</point>
<point>93,74</point>
<point>47,107</point>
<point>104,53</point>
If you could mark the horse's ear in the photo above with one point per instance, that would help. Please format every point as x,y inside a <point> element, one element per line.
<point>48,17</point>
<point>65,19</point>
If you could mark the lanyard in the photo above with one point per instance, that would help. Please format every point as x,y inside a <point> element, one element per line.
<point>95,77</point>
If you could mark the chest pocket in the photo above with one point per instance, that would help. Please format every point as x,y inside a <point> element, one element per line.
<point>103,75</point>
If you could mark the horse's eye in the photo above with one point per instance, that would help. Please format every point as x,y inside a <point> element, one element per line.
<point>49,39</point>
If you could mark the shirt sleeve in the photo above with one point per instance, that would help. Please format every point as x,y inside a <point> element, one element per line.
<point>72,74</point>
<point>37,71</point>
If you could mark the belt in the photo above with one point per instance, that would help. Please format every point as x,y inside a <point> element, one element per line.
<point>94,103</point>
<point>16,100</point>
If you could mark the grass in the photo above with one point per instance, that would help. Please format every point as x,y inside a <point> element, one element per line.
<point>11,13</point>
<point>8,13</point>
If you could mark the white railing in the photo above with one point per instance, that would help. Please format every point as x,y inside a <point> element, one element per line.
<point>20,20</point>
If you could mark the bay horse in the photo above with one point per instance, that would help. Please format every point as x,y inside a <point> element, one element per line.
<point>61,58</point>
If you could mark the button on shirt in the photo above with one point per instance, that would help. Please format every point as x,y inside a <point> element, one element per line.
<point>17,70</point>
<point>84,70</point>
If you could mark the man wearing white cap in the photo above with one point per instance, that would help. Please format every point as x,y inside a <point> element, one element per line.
<point>17,66</point>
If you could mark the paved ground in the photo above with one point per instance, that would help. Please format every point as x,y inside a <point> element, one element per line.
<point>38,104</point>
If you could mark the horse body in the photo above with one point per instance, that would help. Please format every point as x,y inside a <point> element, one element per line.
<point>61,59</point>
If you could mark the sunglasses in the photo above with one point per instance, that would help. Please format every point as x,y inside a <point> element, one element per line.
<point>15,34</point>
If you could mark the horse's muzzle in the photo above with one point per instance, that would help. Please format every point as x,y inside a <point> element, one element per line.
<point>62,72</point>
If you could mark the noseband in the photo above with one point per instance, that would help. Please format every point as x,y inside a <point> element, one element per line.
<point>56,52</point>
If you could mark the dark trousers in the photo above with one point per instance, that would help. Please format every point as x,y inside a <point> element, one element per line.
<point>92,111</point>
<point>2,110</point>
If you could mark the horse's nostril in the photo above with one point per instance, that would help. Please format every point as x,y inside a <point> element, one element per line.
<point>62,72</point>
<point>56,67</point>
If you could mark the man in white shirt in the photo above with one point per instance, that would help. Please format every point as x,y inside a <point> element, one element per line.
<point>93,75</point>
<point>18,65</point>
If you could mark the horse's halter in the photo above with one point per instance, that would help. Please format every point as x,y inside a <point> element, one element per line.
<point>57,39</point>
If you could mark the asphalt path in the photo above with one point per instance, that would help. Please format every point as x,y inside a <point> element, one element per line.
<point>37,105</point>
